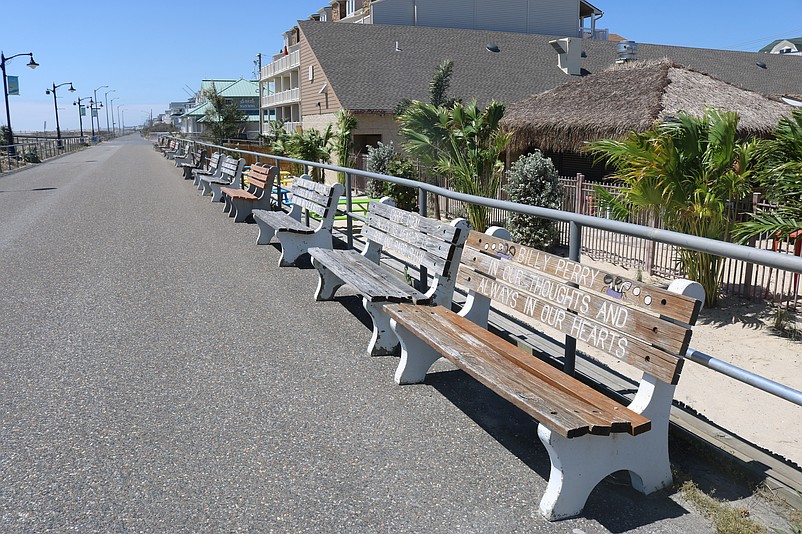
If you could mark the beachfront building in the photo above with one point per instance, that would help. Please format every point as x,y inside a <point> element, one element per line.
<point>243,93</point>
<point>282,79</point>
<point>786,47</point>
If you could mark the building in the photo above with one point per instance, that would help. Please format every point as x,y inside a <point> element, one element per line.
<point>281,79</point>
<point>786,47</point>
<point>243,93</point>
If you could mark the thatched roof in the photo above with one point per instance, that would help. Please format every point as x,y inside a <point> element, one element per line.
<point>632,96</point>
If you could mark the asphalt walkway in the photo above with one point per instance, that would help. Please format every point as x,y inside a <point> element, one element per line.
<point>161,373</point>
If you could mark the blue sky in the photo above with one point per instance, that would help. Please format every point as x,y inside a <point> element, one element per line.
<point>151,53</point>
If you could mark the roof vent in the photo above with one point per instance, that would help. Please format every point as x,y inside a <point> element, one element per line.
<point>569,55</point>
<point>761,65</point>
<point>627,51</point>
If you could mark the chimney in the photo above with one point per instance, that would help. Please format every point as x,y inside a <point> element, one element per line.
<point>569,55</point>
<point>627,51</point>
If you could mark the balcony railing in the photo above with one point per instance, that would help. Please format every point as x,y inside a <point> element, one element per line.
<point>284,63</point>
<point>290,96</point>
<point>598,35</point>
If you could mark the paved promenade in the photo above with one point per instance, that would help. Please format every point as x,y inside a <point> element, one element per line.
<point>160,373</point>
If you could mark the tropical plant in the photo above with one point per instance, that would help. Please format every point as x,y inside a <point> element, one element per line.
<point>688,172</point>
<point>224,119</point>
<point>404,197</point>
<point>533,180</point>
<point>464,142</point>
<point>781,177</point>
<point>344,140</point>
<point>311,145</point>
<point>379,159</point>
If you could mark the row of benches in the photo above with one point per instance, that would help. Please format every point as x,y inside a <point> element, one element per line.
<point>587,434</point>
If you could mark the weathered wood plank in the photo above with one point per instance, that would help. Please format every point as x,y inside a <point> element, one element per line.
<point>396,246</point>
<point>412,220</point>
<point>428,242</point>
<point>559,403</point>
<point>631,292</point>
<point>374,283</point>
<point>609,340</point>
<point>506,279</point>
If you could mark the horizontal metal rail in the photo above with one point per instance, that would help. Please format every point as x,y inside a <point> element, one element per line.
<point>720,248</point>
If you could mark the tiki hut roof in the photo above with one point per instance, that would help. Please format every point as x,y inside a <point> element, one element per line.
<point>631,96</point>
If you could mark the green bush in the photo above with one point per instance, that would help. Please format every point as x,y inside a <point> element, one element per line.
<point>379,159</point>
<point>533,180</point>
<point>405,197</point>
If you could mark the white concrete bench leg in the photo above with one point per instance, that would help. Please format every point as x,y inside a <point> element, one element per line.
<point>416,356</point>
<point>266,232</point>
<point>293,245</point>
<point>384,341</point>
<point>579,464</point>
<point>327,284</point>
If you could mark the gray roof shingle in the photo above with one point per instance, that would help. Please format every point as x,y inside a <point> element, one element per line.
<point>367,74</point>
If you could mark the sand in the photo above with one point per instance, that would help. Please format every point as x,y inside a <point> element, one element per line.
<point>740,333</point>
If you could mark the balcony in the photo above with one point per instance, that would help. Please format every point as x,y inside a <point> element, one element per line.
<point>596,35</point>
<point>284,63</point>
<point>291,96</point>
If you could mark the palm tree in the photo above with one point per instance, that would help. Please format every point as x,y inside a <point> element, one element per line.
<point>781,176</point>
<point>689,172</point>
<point>462,141</point>
<point>311,145</point>
<point>344,140</point>
<point>224,118</point>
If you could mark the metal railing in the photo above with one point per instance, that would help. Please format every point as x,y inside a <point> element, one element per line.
<point>29,150</point>
<point>576,223</point>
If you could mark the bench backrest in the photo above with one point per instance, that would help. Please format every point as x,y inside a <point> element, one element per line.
<point>315,198</point>
<point>646,326</point>
<point>261,177</point>
<point>232,169</point>
<point>214,161</point>
<point>420,240</point>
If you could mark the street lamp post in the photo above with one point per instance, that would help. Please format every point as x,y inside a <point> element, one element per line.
<point>55,105</point>
<point>122,131</point>
<point>106,97</point>
<point>96,101</point>
<point>80,117</point>
<point>32,64</point>
<point>113,132</point>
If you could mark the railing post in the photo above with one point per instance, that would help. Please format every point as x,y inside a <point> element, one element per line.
<point>423,210</point>
<point>748,289</point>
<point>349,222</point>
<point>574,248</point>
<point>579,198</point>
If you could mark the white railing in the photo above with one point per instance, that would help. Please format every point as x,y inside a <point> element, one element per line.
<point>290,96</point>
<point>283,64</point>
<point>598,35</point>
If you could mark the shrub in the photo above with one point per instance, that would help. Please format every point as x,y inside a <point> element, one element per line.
<point>406,198</point>
<point>379,159</point>
<point>533,180</point>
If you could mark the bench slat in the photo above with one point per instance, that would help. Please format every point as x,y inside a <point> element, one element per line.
<point>560,402</point>
<point>630,292</point>
<point>428,242</point>
<point>279,220</point>
<point>446,232</point>
<point>551,291</point>
<point>377,285</point>
<point>411,252</point>
<point>651,359</point>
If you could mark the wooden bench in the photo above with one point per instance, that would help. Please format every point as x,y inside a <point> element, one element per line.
<point>297,238</point>
<point>420,241</point>
<point>240,202</point>
<point>230,176</point>
<point>191,159</point>
<point>176,148</point>
<point>170,147</point>
<point>588,435</point>
<point>213,169</point>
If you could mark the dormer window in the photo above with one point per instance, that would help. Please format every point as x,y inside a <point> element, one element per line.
<point>350,7</point>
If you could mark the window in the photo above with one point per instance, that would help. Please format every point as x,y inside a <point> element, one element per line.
<point>350,7</point>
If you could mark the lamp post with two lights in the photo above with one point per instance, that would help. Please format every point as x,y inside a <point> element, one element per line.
<point>55,105</point>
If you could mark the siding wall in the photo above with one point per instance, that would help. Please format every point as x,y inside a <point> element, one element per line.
<point>310,90</point>
<point>550,17</point>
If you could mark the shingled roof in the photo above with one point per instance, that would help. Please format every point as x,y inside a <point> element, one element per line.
<point>629,97</point>
<point>368,75</point>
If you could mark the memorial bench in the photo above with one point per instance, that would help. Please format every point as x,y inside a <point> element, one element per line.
<point>176,148</point>
<point>588,435</point>
<point>170,147</point>
<point>422,242</point>
<point>230,175</point>
<point>240,202</point>
<point>296,238</point>
<point>213,169</point>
